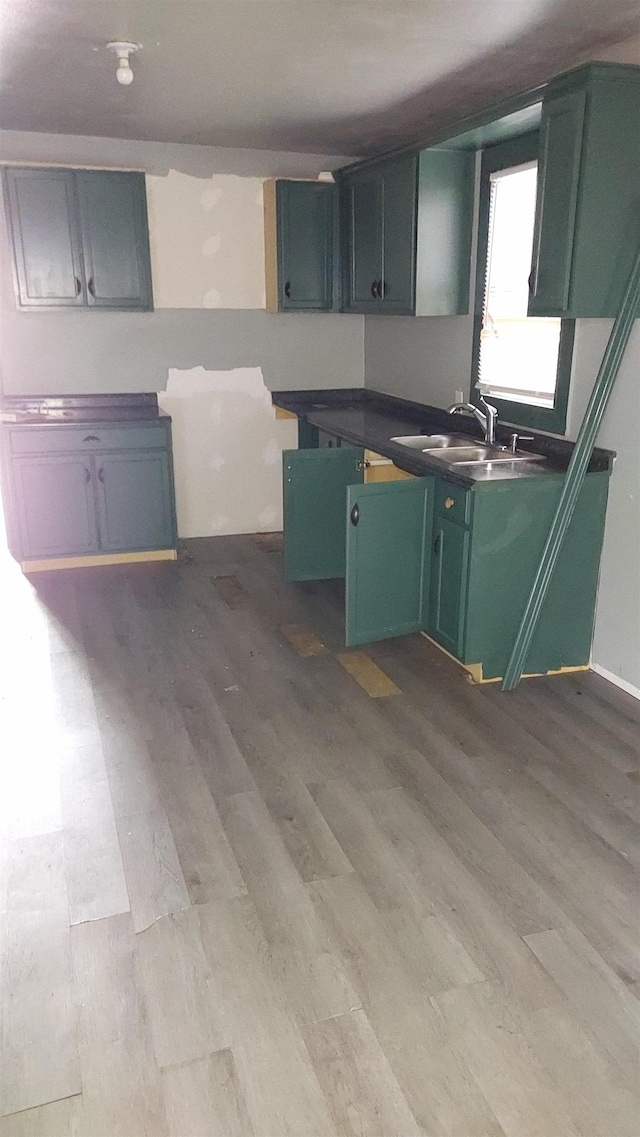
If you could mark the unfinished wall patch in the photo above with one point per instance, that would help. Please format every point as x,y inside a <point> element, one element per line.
<point>227,446</point>
<point>207,248</point>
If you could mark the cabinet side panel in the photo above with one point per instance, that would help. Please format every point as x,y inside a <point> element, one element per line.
<point>511,523</point>
<point>270,245</point>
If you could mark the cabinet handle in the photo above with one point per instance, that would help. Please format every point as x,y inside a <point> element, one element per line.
<point>287,289</point>
<point>436,545</point>
<point>531,281</point>
<point>448,502</point>
<point>381,289</point>
<point>87,476</point>
<point>91,438</point>
<point>78,286</point>
<point>101,475</point>
<point>91,286</point>
<point>374,289</point>
<point>355,515</point>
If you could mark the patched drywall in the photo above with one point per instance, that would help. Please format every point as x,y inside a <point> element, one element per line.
<point>207,244</point>
<point>227,445</point>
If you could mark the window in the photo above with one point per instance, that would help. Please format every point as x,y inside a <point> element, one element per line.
<point>521,363</point>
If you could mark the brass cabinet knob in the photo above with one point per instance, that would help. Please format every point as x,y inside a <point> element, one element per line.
<point>448,502</point>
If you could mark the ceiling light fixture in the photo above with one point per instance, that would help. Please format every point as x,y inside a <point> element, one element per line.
<point>123,50</point>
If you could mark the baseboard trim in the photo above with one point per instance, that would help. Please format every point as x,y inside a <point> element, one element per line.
<point>616,680</point>
<point>53,563</point>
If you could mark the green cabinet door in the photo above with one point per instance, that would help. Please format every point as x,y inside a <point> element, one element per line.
<point>42,218</point>
<point>305,245</point>
<point>113,218</point>
<point>362,223</point>
<point>399,215</point>
<point>445,231</point>
<point>561,134</point>
<point>388,553</point>
<point>55,507</point>
<point>449,577</point>
<point>134,500</point>
<point>314,501</point>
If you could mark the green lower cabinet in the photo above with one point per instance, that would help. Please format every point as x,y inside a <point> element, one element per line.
<point>387,567</point>
<point>511,521</point>
<point>134,502</point>
<point>76,491</point>
<point>425,554</point>
<point>449,573</point>
<point>54,505</point>
<point>315,484</point>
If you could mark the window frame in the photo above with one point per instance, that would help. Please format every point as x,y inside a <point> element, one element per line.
<point>516,152</point>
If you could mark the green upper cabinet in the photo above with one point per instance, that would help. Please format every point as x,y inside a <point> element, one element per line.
<point>42,212</point>
<point>406,234</point>
<point>587,218</point>
<point>446,182</point>
<point>80,238</point>
<point>299,240</point>
<point>113,221</point>
<point>387,567</point>
<point>362,250</point>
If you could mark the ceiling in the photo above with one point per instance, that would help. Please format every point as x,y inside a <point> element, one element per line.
<point>324,76</point>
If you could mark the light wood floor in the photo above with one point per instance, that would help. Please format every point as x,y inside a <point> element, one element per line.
<point>245,897</point>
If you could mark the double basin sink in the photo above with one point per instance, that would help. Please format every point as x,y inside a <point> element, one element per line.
<point>460,450</point>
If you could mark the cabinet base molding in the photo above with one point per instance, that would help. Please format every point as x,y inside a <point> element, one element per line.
<point>475,672</point>
<point>51,563</point>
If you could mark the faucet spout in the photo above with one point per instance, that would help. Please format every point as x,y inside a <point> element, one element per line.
<point>487,417</point>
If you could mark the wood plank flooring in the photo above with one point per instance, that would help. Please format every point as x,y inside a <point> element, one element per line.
<point>257,886</point>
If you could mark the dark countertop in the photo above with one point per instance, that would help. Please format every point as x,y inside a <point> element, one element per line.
<point>70,410</point>
<point>365,418</point>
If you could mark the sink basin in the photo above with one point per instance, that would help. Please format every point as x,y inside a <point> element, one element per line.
<point>433,441</point>
<point>480,455</point>
<point>460,450</point>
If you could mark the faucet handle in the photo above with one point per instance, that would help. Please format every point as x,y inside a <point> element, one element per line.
<point>515,438</point>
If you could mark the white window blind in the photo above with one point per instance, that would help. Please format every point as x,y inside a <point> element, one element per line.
<point>518,354</point>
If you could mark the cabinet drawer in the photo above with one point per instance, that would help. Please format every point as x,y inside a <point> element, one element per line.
<point>54,439</point>
<point>453,502</point>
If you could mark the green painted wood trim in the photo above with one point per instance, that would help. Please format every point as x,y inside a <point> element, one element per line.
<point>553,419</point>
<point>576,473</point>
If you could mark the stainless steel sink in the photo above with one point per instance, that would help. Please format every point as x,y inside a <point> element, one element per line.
<point>433,441</point>
<point>481,455</point>
<point>460,450</point>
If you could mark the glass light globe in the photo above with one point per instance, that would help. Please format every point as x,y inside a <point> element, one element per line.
<point>124,74</point>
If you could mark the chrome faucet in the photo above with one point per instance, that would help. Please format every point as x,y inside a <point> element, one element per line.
<point>487,417</point>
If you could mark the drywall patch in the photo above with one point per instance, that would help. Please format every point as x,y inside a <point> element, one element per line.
<point>207,246</point>
<point>227,444</point>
